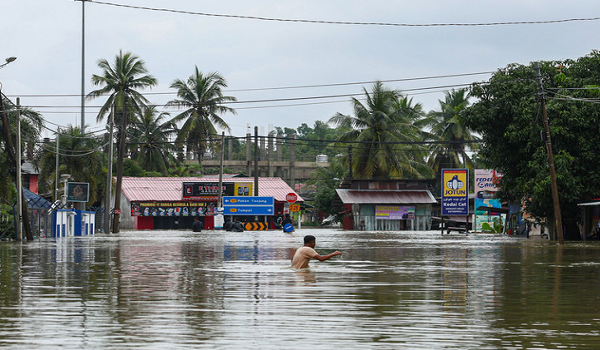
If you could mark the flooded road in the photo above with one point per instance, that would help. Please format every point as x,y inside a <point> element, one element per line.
<point>226,290</point>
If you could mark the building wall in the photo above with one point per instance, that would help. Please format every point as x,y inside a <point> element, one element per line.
<point>365,220</point>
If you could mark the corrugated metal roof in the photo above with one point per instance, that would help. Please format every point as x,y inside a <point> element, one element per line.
<point>349,196</point>
<point>169,189</point>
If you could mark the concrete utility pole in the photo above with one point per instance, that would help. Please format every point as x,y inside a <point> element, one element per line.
<point>555,199</point>
<point>19,182</point>
<point>256,161</point>
<point>83,66</point>
<point>117,210</point>
<point>221,156</point>
<point>109,170</point>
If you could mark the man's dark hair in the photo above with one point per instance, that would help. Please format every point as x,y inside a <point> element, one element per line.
<point>309,239</point>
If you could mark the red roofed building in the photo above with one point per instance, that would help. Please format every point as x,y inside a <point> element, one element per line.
<point>160,202</point>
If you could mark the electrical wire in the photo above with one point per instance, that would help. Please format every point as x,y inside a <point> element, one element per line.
<point>289,87</point>
<point>352,23</point>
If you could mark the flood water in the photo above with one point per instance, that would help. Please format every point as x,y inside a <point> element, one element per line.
<point>227,290</point>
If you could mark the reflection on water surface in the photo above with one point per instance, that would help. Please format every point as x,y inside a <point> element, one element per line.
<point>410,290</point>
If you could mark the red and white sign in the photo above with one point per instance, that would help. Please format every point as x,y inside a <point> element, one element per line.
<point>291,197</point>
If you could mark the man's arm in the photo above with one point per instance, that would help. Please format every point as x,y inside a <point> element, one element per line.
<point>328,256</point>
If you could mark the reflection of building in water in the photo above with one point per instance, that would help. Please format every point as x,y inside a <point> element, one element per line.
<point>254,253</point>
<point>455,278</point>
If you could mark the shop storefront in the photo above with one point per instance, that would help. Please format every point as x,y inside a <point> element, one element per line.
<point>174,203</point>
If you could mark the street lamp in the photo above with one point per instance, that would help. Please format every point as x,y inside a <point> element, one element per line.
<point>8,60</point>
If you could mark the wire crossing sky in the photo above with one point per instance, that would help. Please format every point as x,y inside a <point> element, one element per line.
<point>287,62</point>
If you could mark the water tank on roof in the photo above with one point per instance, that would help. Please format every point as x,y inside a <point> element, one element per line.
<point>321,158</point>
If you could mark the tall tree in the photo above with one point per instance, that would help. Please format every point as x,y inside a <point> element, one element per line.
<point>508,115</point>
<point>453,141</point>
<point>201,97</point>
<point>122,82</point>
<point>380,129</point>
<point>149,138</point>
<point>31,127</point>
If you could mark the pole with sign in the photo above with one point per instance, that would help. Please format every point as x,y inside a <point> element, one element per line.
<point>291,198</point>
<point>455,193</point>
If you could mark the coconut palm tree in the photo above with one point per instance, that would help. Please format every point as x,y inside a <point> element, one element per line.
<point>201,97</point>
<point>121,82</point>
<point>149,139</point>
<point>380,130</point>
<point>453,139</point>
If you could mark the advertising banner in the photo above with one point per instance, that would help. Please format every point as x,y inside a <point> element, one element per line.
<point>394,212</point>
<point>455,192</point>
<point>205,191</point>
<point>172,209</point>
<point>242,189</point>
<point>485,196</point>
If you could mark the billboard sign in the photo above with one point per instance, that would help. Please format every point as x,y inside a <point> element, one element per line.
<point>78,191</point>
<point>486,186</point>
<point>202,190</point>
<point>455,192</point>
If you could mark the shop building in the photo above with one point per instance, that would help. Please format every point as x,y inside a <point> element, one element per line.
<point>387,205</point>
<point>174,202</point>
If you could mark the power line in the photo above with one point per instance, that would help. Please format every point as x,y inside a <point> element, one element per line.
<point>302,98</point>
<point>352,23</point>
<point>292,86</point>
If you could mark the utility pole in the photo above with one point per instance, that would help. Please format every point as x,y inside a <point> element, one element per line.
<point>256,161</point>
<point>109,172</point>
<point>18,179</point>
<point>221,156</point>
<point>117,210</point>
<point>83,66</point>
<point>555,199</point>
<point>57,165</point>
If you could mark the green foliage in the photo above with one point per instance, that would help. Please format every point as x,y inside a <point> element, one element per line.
<point>384,130</point>
<point>7,223</point>
<point>149,140</point>
<point>201,97</point>
<point>132,168</point>
<point>79,156</point>
<point>326,180</point>
<point>508,116</point>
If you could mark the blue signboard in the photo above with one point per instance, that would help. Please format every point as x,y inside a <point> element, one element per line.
<point>455,192</point>
<point>248,210</point>
<point>239,200</point>
<point>241,205</point>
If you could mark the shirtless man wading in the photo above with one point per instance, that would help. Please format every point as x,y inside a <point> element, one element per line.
<point>307,252</point>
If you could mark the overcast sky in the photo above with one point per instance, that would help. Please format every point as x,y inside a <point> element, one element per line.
<point>45,36</point>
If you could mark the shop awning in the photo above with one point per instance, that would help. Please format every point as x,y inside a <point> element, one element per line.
<point>493,210</point>
<point>351,196</point>
<point>589,204</point>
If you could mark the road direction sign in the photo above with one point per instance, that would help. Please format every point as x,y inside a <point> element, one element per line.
<point>242,205</point>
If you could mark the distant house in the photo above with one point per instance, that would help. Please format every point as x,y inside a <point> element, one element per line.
<point>30,177</point>
<point>387,205</point>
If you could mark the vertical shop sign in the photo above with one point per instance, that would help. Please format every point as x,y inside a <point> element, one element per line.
<point>455,192</point>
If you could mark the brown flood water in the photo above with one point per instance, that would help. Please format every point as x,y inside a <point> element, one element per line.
<point>225,290</point>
